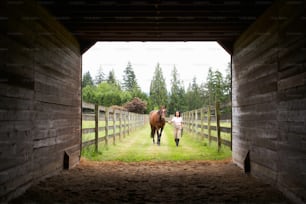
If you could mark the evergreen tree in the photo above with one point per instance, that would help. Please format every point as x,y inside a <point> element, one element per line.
<point>204,94</point>
<point>210,86</point>
<point>228,85</point>
<point>216,87</point>
<point>219,85</point>
<point>129,79</point>
<point>158,90</point>
<point>193,95</point>
<point>100,77</point>
<point>87,80</point>
<point>176,97</point>
<point>111,79</point>
<point>130,84</point>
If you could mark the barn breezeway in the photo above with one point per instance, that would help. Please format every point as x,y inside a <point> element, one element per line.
<point>40,86</point>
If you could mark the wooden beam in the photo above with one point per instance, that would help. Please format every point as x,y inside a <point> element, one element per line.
<point>227,45</point>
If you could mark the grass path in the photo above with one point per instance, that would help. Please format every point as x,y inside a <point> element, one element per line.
<point>138,146</point>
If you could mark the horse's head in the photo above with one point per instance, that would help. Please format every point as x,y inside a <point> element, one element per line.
<point>162,112</point>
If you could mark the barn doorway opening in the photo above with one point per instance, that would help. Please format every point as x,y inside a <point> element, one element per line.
<point>194,76</point>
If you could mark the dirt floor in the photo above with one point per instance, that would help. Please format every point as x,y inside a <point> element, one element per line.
<point>152,182</point>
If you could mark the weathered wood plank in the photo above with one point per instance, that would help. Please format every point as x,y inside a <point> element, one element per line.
<point>269,96</point>
<point>40,114</point>
<point>88,105</point>
<point>88,117</point>
<point>291,82</point>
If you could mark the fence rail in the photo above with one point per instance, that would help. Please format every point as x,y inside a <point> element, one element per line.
<point>103,124</point>
<point>212,122</point>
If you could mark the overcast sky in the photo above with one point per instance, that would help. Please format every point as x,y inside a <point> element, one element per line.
<point>192,59</point>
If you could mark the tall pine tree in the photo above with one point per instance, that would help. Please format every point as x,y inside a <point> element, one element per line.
<point>111,79</point>
<point>176,97</point>
<point>158,90</point>
<point>228,85</point>
<point>87,80</point>
<point>100,77</point>
<point>193,95</point>
<point>129,79</point>
<point>216,87</point>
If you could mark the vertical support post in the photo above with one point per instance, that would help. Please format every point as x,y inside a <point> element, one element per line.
<point>120,124</point>
<point>217,113</point>
<point>124,120</point>
<point>231,127</point>
<point>209,124</point>
<point>202,122</point>
<point>96,127</point>
<point>190,121</point>
<point>114,127</point>
<point>106,126</point>
<point>196,122</point>
<point>129,122</point>
<point>132,122</point>
<point>136,121</point>
<point>189,117</point>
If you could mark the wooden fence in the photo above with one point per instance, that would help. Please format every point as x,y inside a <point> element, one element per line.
<point>212,122</point>
<point>102,124</point>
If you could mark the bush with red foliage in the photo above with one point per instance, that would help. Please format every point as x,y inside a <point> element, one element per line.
<point>136,105</point>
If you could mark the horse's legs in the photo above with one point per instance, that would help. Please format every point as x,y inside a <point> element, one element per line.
<point>159,135</point>
<point>153,133</point>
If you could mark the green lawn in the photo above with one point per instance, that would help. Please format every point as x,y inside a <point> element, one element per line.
<point>138,146</point>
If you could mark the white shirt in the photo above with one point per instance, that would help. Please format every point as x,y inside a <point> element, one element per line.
<point>177,121</point>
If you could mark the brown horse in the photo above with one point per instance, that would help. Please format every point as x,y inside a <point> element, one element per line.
<point>157,122</point>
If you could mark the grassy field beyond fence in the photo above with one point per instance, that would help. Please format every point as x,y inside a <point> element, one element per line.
<point>138,146</point>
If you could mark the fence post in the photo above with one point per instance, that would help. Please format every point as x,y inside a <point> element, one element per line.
<point>124,127</point>
<point>190,121</point>
<point>202,122</point>
<point>129,122</point>
<point>195,127</point>
<point>188,116</point>
<point>114,127</point>
<point>217,113</point>
<point>106,126</point>
<point>132,118</point>
<point>194,121</point>
<point>120,124</point>
<point>96,127</point>
<point>208,124</point>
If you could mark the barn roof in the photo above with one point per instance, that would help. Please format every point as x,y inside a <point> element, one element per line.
<point>156,20</point>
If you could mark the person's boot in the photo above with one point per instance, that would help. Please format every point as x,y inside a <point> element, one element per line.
<point>178,141</point>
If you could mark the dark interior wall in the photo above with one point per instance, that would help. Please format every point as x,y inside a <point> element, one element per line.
<point>269,98</point>
<point>40,115</point>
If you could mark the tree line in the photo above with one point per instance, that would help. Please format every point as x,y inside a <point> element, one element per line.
<point>107,90</point>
